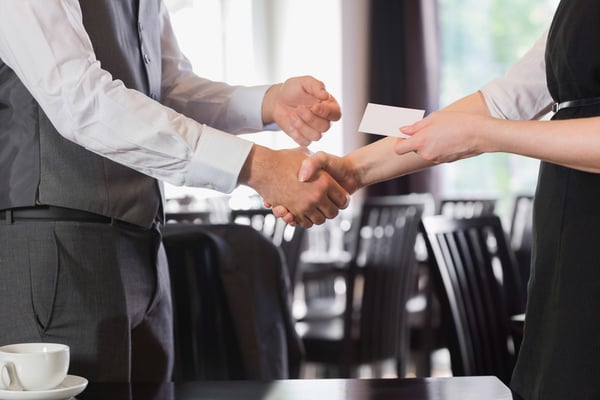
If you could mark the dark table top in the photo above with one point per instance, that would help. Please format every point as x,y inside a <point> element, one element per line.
<point>457,388</point>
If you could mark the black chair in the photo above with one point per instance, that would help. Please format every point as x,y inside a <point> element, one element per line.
<point>478,288</point>
<point>467,207</point>
<point>288,238</point>
<point>232,314</point>
<point>521,235</point>
<point>373,326</point>
<point>190,217</point>
<point>205,343</point>
<point>426,335</point>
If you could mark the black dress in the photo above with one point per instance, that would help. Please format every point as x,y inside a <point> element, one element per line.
<point>560,354</point>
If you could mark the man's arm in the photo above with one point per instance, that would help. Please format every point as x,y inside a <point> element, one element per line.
<point>300,106</point>
<point>46,44</point>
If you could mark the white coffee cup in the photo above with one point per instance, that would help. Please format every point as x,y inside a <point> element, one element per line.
<point>33,366</point>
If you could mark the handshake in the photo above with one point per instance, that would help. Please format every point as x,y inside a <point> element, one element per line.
<point>307,189</point>
<point>299,187</point>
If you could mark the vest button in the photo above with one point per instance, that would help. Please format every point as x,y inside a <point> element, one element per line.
<point>146,58</point>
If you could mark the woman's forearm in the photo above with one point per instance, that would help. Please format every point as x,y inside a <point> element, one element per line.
<point>377,162</point>
<point>574,143</point>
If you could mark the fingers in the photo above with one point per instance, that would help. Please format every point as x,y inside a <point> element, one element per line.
<point>404,146</point>
<point>284,214</point>
<point>279,211</point>
<point>338,199</point>
<point>309,123</point>
<point>314,87</point>
<point>305,127</point>
<point>296,134</point>
<point>340,169</point>
<point>313,122</point>
<point>329,109</point>
<point>408,145</point>
<point>323,198</point>
<point>304,109</point>
<point>289,218</point>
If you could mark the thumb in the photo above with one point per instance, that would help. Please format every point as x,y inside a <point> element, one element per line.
<point>279,211</point>
<point>315,88</point>
<point>311,165</point>
<point>404,146</point>
<point>285,215</point>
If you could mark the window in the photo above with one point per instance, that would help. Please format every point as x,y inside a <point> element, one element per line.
<point>480,40</point>
<point>260,41</point>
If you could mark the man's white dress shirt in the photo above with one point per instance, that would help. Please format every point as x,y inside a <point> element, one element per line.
<point>45,43</point>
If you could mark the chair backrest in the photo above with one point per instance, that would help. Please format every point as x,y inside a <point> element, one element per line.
<point>467,207</point>
<point>205,343</point>
<point>288,238</point>
<point>232,311</point>
<point>521,234</point>
<point>383,267</point>
<point>191,217</point>
<point>477,284</point>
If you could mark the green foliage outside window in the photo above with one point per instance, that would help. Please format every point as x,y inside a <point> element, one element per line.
<point>480,39</point>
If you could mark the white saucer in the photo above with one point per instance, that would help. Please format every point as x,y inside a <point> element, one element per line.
<point>71,386</point>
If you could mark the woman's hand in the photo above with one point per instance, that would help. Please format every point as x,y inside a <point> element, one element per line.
<point>302,108</point>
<point>444,136</point>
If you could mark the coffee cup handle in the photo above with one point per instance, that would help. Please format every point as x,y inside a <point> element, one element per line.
<point>13,379</point>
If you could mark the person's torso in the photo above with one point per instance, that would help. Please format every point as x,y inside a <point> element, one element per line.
<point>561,346</point>
<point>39,166</point>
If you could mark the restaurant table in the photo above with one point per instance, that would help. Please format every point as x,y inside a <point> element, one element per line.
<point>454,388</point>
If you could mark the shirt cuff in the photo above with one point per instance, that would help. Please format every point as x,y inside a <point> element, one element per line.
<point>245,109</point>
<point>218,160</point>
<point>497,99</point>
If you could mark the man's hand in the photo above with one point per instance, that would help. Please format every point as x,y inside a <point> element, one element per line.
<point>340,169</point>
<point>274,175</point>
<point>302,108</point>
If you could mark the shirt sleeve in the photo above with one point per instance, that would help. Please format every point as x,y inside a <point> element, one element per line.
<point>236,109</point>
<point>521,94</point>
<point>46,45</point>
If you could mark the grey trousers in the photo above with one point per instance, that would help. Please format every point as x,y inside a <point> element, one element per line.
<point>103,289</point>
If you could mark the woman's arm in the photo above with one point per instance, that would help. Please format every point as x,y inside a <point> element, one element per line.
<point>378,161</point>
<point>449,136</point>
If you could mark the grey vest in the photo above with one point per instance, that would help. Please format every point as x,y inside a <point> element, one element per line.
<point>39,166</point>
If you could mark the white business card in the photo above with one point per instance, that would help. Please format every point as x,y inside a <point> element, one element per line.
<point>385,120</point>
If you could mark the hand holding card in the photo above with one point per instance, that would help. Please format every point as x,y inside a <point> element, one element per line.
<point>386,120</point>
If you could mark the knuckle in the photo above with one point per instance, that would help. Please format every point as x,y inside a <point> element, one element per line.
<point>318,219</point>
<point>332,212</point>
<point>316,135</point>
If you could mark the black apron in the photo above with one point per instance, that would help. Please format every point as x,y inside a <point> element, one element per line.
<point>560,353</point>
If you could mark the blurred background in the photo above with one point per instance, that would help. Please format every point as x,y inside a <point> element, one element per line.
<point>461,44</point>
